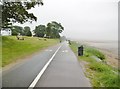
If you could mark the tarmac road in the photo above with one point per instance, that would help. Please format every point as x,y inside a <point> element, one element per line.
<point>63,71</point>
<point>22,74</point>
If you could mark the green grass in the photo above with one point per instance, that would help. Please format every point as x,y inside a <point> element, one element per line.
<point>13,49</point>
<point>99,67</point>
<point>92,51</point>
<point>108,79</point>
<point>100,74</point>
<point>88,51</point>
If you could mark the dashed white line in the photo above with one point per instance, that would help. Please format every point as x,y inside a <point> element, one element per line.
<point>32,85</point>
<point>65,51</point>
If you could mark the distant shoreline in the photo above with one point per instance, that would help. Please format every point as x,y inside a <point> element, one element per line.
<point>109,48</point>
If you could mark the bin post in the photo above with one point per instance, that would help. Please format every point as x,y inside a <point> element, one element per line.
<point>80,50</point>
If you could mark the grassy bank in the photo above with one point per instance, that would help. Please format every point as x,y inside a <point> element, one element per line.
<point>13,49</point>
<point>99,73</point>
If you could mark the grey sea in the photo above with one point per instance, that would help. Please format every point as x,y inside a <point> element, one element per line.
<point>110,46</point>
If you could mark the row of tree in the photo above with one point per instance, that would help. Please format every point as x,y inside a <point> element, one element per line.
<point>17,11</point>
<point>22,31</point>
<point>51,30</point>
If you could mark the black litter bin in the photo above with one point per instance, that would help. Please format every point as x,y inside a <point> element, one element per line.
<point>69,42</point>
<point>80,51</point>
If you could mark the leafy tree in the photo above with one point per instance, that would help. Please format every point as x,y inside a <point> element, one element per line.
<point>18,12</point>
<point>16,30</point>
<point>40,30</point>
<point>49,29</point>
<point>53,29</point>
<point>14,33</point>
<point>27,31</point>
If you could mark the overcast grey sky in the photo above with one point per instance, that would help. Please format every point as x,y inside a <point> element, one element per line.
<point>82,19</point>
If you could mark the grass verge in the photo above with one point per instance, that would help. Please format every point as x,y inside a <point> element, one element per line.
<point>13,49</point>
<point>99,73</point>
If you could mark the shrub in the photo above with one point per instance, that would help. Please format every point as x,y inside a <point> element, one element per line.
<point>109,79</point>
<point>99,67</point>
<point>93,51</point>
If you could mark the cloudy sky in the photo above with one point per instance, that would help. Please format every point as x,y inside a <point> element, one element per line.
<point>82,19</point>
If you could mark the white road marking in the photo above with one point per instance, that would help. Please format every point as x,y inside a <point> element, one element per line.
<point>65,51</point>
<point>32,85</point>
<point>50,50</point>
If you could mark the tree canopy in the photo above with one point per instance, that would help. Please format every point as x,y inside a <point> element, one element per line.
<point>52,30</point>
<point>17,30</point>
<point>27,31</point>
<point>18,12</point>
<point>40,30</point>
